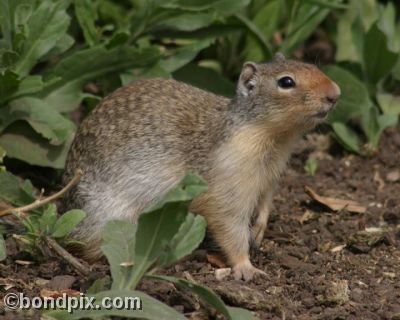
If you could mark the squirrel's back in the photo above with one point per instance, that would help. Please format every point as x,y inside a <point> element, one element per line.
<point>155,115</point>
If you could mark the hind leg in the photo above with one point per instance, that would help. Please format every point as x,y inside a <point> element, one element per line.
<point>123,196</point>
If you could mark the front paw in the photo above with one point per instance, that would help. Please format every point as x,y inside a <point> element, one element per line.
<point>246,271</point>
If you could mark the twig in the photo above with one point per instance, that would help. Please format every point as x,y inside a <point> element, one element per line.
<point>41,202</point>
<point>67,256</point>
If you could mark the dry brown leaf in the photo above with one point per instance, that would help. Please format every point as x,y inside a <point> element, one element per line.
<point>188,276</point>
<point>8,283</point>
<point>379,180</point>
<point>338,248</point>
<point>307,215</point>
<point>216,261</point>
<point>4,205</point>
<point>23,262</point>
<point>127,264</point>
<point>54,294</point>
<point>336,204</point>
<point>199,315</point>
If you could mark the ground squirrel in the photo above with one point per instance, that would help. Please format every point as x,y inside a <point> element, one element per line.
<point>142,139</point>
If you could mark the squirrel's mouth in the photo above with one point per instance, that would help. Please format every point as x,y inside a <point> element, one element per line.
<point>322,114</point>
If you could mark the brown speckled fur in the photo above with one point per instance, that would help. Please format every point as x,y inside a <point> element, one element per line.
<point>139,142</point>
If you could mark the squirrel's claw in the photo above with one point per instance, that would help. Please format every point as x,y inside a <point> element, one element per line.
<point>246,271</point>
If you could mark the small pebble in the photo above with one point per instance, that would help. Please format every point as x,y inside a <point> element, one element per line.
<point>222,273</point>
<point>393,176</point>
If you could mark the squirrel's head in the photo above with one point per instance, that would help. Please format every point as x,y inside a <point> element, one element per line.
<point>286,92</point>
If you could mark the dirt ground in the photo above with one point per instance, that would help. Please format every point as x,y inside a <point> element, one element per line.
<point>320,264</point>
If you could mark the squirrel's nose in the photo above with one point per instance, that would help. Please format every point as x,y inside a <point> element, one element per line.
<point>333,94</point>
<point>332,99</point>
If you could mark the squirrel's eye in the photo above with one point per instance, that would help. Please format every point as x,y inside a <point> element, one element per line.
<point>286,82</point>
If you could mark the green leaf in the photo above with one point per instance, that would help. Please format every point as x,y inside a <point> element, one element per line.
<point>347,137</point>
<point>48,219</point>
<point>370,125</point>
<point>358,18</point>
<point>8,58</point>
<point>208,296</point>
<point>205,78</point>
<point>156,71</point>
<point>224,7</point>
<point>118,39</point>
<point>62,45</point>
<point>374,124</point>
<point>8,85</point>
<point>21,142</point>
<point>74,71</point>
<point>45,27</point>
<point>228,7</point>
<point>346,42</point>
<point>368,11</point>
<point>151,308</point>
<point>156,229</point>
<point>354,99</point>
<point>8,10</point>
<point>184,55</point>
<point>327,4</point>
<point>191,186</point>
<point>67,222</point>
<point>188,21</point>
<point>86,13</point>
<point>311,166</point>
<point>119,248</point>
<point>99,285</point>
<point>389,103</point>
<point>266,20</point>
<point>240,313</point>
<point>28,86</point>
<point>187,239</point>
<point>3,250</point>
<point>387,121</point>
<point>304,24</point>
<point>213,31</point>
<point>378,59</point>
<point>358,37</point>
<point>396,69</point>
<point>257,35</point>
<point>164,234</point>
<point>2,155</point>
<point>15,192</point>
<point>41,116</point>
<point>387,23</point>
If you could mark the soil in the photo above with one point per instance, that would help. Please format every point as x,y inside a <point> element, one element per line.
<point>320,264</point>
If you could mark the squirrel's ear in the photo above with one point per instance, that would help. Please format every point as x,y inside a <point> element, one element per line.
<point>279,57</point>
<point>247,79</point>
